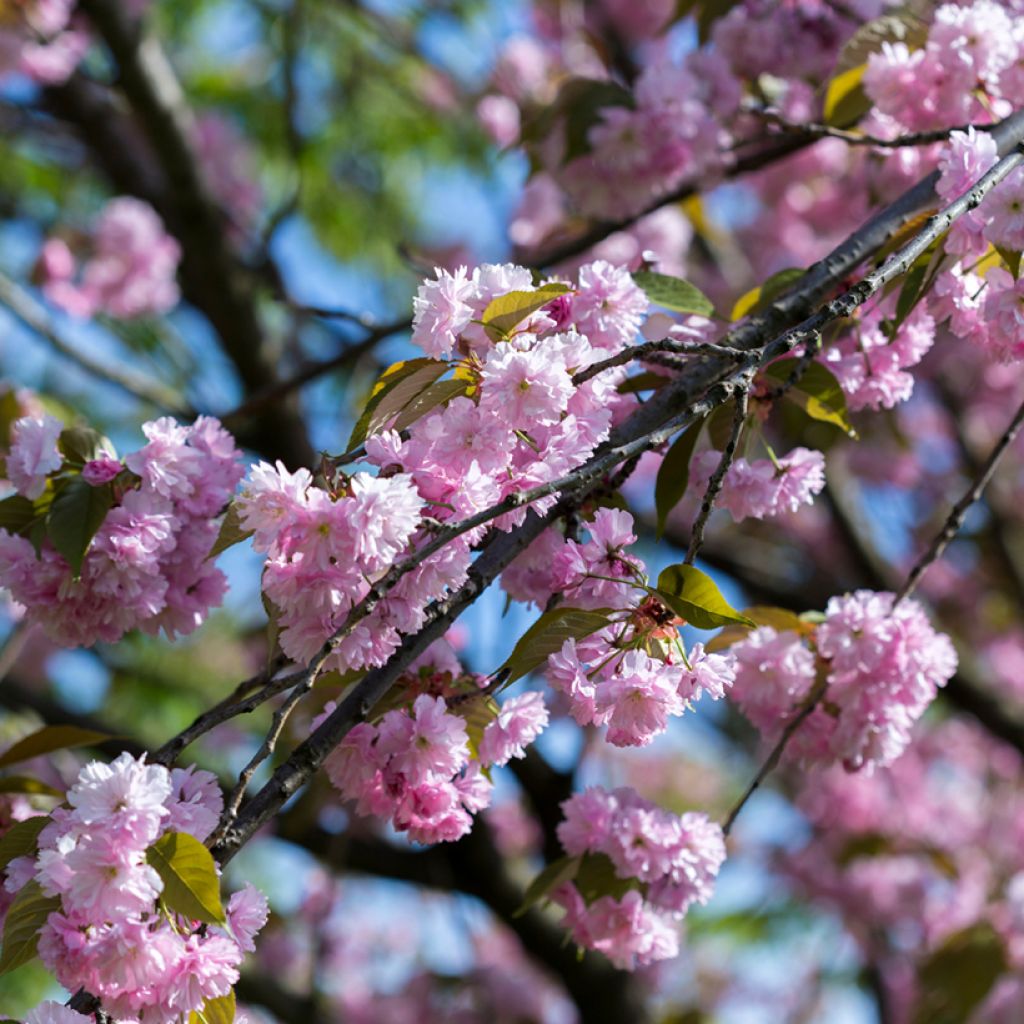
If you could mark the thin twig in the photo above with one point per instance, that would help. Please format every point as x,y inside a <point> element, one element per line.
<point>772,761</point>
<point>825,131</point>
<point>233,705</point>
<point>955,519</point>
<point>266,749</point>
<point>648,348</point>
<point>714,487</point>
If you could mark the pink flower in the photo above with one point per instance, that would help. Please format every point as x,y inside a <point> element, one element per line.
<point>55,1013</point>
<point>524,388</point>
<point>520,721</point>
<point>441,312</point>
<point>774,672</point>
<point>609,306</point>
<point>33,455</point>
<point>195,803</point>
<point>1004,313</point>
<point>127,796</point>
<point>969,155</point>
<point>639,696</point>
<point>431,743</point>
<point>98,472</point>
<point>708,673</point>
<point>247,913</point>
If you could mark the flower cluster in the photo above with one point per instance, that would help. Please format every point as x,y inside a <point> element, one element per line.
<point>37,40</point>
<point>514,420</point>
<point>110,931</point>
<point>633,674</point>
<point>146,567</point>
<point>667,129</point>
<point>871,363</point>
<point>762,488</point>
<point>882,665</point>
<point>416,766</point>
<point>968,68</point>
<point>661,865</point>
<point>130,271</point>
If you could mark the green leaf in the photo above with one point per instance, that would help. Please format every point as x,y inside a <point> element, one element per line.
<point>17,514</point>
<point>868,39</point>
<point>817,392</point>
<point>765,294</point>
<point>77,512</point>
<point>547,635</point>
<point>555,874</point>
<point>957,977</point>
<point>21,839</point>
<point>10,411</point>
<point>673,293</point>
<point>80,445</point>
<point>477,712</point>
<point>1011,259</point>
<point>231,532</point>
<point>693,596</point>
<point>846,102</point>
<point>189,874</point>
<point>596,877</point>
<point>583,100</point>
<point>26,784</point>
<point>27,914</point>
<point>910,293</point>
<point>216,1011</point>
<point>719,423</point>
<point>441,392</point>
<point>674,474</point>
<point>397,386</point>
<point>51,738</point>
<point>505,312</point>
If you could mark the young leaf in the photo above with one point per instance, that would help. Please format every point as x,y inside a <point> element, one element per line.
<point>673,293</point>
<point>817,392</point>
<point>889,28</point>
<point>27,914</point>
<point>597,877</point>
<point>216,1011</point>
<point>21,839</point>
<point>547,635</point>
<point>189,874</point>
<point>555,874</point>
<point>693,595</point>
<point>80,445</point>
<point>674,474</point>
<point>583,99</point>
<point>10,411</point>
<point>765,294</point>
<point>50,738</point>
<point>441,392</point>
<point>398,385</point>
<point>231,532</point>
<point>505,312</point>
<point>17,513</point>
<point>26,784</point>
<point>957,976</point>
<point>845,100</point>
<point>1011,259</point>
<point>77,512</point>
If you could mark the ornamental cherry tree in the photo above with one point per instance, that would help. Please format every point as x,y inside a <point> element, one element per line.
<point>511,512</point>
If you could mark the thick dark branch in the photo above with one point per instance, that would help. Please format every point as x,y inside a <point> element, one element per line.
<point>673,407</point>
